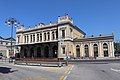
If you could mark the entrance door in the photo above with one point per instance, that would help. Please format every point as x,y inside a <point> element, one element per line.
<point>32,52</point>
<point>46,52</point>
<point>78,51</point>
<point>55,51</point>
<point>105,48</point>
<point>95,50</point>
<point>25,52</point>
<point>39,52</point>
<point>86,51</point>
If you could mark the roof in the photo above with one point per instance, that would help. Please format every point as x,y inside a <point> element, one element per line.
<point>1,37</point>
<point>7,38</point>
<point>95,38</point>
<point>10,39</point>
<point>51,26</point>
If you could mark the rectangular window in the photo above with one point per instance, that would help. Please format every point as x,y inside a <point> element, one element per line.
<point>63,33</point>
<point>63,50</point>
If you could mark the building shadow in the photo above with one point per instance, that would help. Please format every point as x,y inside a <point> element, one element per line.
<point>6,70</point>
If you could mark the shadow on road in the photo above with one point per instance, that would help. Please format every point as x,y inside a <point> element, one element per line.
<point>6,70</point>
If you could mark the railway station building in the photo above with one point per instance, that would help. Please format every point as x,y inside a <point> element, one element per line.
<point>60,39</point>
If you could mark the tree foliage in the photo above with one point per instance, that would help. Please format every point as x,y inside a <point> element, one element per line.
<point>117,48</point>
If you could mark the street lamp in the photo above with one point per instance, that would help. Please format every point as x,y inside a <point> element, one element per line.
<point>15,23</point>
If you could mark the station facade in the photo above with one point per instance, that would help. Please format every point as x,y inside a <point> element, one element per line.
<point>61,39</point>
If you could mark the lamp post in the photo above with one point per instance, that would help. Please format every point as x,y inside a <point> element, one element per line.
<point>12,22</point>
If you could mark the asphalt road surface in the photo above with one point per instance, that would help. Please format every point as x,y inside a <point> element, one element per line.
<point>78,71</point>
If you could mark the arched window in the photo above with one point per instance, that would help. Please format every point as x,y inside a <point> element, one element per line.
<point>95,50</point>
<point>56,34</point>
<point>105,49</point>
<point>44,36</point>
<point>77,51</point>
<point>40,36</point>
<point>86,51</point>
<point>25,39</point>
<point>33,37</point>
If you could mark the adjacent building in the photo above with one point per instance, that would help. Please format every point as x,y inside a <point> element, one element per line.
<point>5,47</point>
<point>61,39</point>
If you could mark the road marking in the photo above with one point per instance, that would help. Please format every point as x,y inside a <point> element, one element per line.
<point>66,73</point>
<point>116,70</point>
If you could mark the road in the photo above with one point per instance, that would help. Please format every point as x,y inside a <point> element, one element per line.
<point>78,71</point>
<point>97,71</point>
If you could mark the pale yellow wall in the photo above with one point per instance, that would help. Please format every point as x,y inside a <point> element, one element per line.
<point>77,34</point>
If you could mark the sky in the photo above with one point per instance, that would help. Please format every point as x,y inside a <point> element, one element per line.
<point>94,17</point>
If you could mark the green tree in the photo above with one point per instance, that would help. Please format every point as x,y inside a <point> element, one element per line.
<point>117,48</point>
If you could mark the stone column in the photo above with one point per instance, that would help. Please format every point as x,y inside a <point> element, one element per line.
<point>110,55</point>
<point>100,50</point>
<point>113,49</point>
<point>50,35</point>
<point>39,37</point>
<point>55,34</point>
<point>26,39</point>
<point>82,50</point>
<point>35,37</point>
<point>23,39</point>
<point>109,51</point>
<point>29,38</point>
<point>46,36</point>
<point>42,36</point>
<point>32,38</point>
<point>90,50</point>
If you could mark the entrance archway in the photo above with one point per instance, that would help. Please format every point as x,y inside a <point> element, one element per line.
<point>39,52</point>
<point>55,51</point>
<point>95,50</point>
<point>86,51</point>
<point>32,52</point>
<point>105,49</point>
<point>77,51</point>
<point>46,52</point>
<point>25,52</point>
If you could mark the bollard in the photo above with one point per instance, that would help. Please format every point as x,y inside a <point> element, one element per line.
<point>66,63</point>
